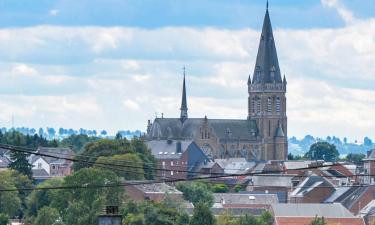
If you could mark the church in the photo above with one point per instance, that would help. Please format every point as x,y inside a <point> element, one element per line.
<point>261,136</point>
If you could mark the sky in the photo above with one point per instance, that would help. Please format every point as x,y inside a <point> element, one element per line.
<point>114,64</point>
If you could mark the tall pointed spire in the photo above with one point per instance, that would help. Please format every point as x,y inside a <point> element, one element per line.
<point>267,65</point>
<point>184,109</point>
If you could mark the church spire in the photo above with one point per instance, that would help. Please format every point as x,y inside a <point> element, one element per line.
<point>184,109</point>
<point>267,65</point>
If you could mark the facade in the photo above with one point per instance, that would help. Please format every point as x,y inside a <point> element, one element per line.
<point>369,168</point>
<point>177,159</point>
<point>155,192</point>
<point>261,136</point>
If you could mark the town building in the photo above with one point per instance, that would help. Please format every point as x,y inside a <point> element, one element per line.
<point>177,159</point>
<point>369,168</point>
<point>261,136</point>
<point>44,167</point>
<point>297,214</point>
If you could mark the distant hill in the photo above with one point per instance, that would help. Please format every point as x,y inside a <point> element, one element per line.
<point>300,147</point>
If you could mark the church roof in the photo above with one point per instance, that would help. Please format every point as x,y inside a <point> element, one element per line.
<point>173,128</point>
<point>267,65</point>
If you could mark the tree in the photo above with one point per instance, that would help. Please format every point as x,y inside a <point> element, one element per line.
<point>220,188</point>
<point>290,156</point>
<point>10,203</point>
<point>41,198</point>
<point>103,133</point>
<point>226,219</point>
<point>196,192</point>
<point>133,165</point>
<point>20,162</point>
<point>48,216</point>
<point>318,221</point>
<point>202,215</point>
<point>4,219</point>
<point>367,141</point>
<point>77,142</point>
<point>355,158</point>
<point>323,151</point>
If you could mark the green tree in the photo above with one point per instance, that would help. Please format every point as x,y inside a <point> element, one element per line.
<point>80,203</point>
<point>4,219</point>
<point>10,202</point>
<point>323,151</point>
<point>355,158</point>
<point>48,216</point>
<point>196,192</point>
<point>41,198</point>
<point>227,219</point>
<point>318,221</point>
<point>220,188</point>
<point>77,142</point>
<point>130,165</point>
<point>202,215</point>
<point>20,163</point>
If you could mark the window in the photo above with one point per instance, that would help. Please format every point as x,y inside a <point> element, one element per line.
<point>163,164</point>
<point>278,105</point>
<point>171,163</point>
<point>258,105</point>
<point>171,173</point>
<point>253,105</point>
<point>39,165</point>
<point>269,105</point>
<point>269,127</point>
<point>53,167</point>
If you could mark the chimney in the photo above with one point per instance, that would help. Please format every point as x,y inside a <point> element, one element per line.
<point>178,147</point>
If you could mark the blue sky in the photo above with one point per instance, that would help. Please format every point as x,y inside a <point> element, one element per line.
<point>114,64</point>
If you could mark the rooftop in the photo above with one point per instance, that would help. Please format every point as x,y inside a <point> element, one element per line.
<point>334,210</point>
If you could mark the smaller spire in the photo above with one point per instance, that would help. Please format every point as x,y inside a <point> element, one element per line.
<point>284,79</point>
<point>184,109</point>
<point>249,80</point>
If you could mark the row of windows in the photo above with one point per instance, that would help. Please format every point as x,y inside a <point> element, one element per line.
<point>172,163</point>
<point>256,105</point>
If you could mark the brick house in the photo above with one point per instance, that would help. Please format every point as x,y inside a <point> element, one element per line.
<point>313,189</point>
<point>48,167</point>
<point>300,214</point>
<point>177,159</point>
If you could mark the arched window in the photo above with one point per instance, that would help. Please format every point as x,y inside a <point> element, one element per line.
<point>278,105</point>
<point>269,105</point>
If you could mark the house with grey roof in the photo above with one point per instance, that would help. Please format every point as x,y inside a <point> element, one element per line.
<point>242,200</point>
<point>178,159</point>
<point>260,136</point>
<point>313,189</point>
<point>292,214</point>
<point>4,162</point>
<point>45,167</point>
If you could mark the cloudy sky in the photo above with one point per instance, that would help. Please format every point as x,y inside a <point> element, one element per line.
<point>113,64</point>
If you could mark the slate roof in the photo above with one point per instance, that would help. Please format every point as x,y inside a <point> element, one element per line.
<point>235,165</point>
<point>155,187</point>
<point>163,149</point>
<point>57,152</point>
<point>282,196</point>
<point>40,173</point>
<point>271,181</point>
<point>4,162</point>
<point>309,183</point>
<point>334,210</point>
<point>267,68</point>
<point>349,198</point>
<point>370,155</point>
<point>173,128</point>
<point>245,199</point>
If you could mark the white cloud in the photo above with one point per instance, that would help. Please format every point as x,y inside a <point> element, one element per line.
<point>23,70</point>
<point>131,104</point>
<point>344,13</point>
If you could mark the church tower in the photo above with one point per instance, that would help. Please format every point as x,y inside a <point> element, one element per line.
<point>267,101</point>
